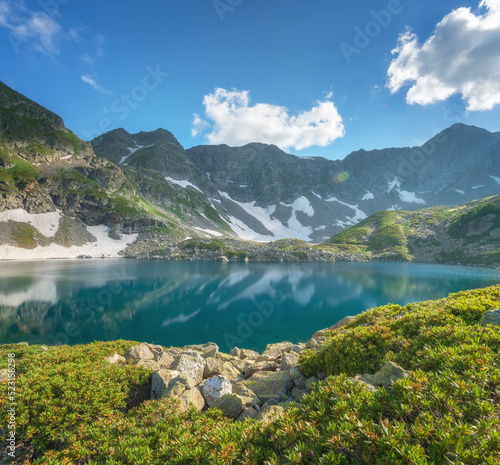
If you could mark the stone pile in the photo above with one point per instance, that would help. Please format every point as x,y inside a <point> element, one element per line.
<point>242,384</point>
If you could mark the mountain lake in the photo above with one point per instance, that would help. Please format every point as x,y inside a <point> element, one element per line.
<point>232,304</point>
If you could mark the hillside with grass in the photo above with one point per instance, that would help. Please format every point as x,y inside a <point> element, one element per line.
<point>468,234</point>
<point>75,407</point>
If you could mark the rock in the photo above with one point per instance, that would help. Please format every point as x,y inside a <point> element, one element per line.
<point>297,348</point>
<point>235,352</point>
<point>114,359</point>
<point>389,373</point>
<point>4,375</point>
<point>261,366</point>
<point>231,405</point>
<point>191,364</point>
<point>139,352</point>
<point>298,377</point>
<point>242,390</point>
<point>165,360</point>
<point>155,349</point>
<point>492,317</point>
<point>177,386</point>
<point>215,388</point>
<point>268,385</point>
<point>312,344</point>
<point>270,414</point>
<point>289,360</point>
<point>297,393</point>
<point>225,357</point>
<point>343,322</point>
<point>248,412</point>
<point>160,381</point>
<point>149,364</point>
<point>190,398</point>
<point>310,382</point>
<point>210,349</point>
<point>270,355</point>
<point>240,365</point>
<point>229,371</point>
<point>212,367</point>
<point>281,346</point>
<point>248,354</point>
<point>45,348</point>
<point>367,386</point>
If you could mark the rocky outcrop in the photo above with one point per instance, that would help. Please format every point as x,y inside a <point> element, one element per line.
<point>238,383</point>
<point>491,317</point>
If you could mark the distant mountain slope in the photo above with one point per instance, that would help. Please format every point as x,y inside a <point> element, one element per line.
<point>468,234</point>
<point>58,199</point>
<point>265,194</point>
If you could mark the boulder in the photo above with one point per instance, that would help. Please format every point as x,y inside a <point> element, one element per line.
<point>248,412</point>
<point>268,385</point>
<point>310,382</point>
<point>298,377</point>
<point>210,349</point>
<point>216,387</point>
<point>240,365</point>
<point>149,364</point>
<point>281,346</point>
<point>248,354</point>
<point>191,398</point>
<point>261,366</point>
<point>114,359</point>
<point>242,390</point>
<point>343,322</point>
<point>212,367</point>
<point>270,355</point>
<point>156,350</point>
<point>177,386</point>
<point>160,381</point>
<point>165,360</point>
<point>312,344</point>
<point>297,393</point>
<point>289,360</point>
<point>4,375</point>
<point>269,414</point>
<point>297,348</point>
<point>235,352</point>
<point>191,364</point>
<point>44,348</point>
<point>225,357</point>
<point>229,371</point>
<point>231,405</point>
<point>389,373</point>
<point>139,352</point>
<point>491,317</point>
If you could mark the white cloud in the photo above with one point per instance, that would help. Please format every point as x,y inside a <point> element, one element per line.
<point>234,121</point>
<point>35,29</point>
<point>91,82</point>
<point>461,57</point>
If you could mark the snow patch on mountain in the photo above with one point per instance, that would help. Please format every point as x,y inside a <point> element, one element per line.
<point>460,192</point>
<point>410,197</point>
<point>392,184</point>
<point>496,179</point>
<point>183,184</point>
<point>45,223</point>
<point>368,196</point>
<point>302,204</point>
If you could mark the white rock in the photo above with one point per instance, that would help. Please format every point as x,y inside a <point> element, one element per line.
<point>215,388</point>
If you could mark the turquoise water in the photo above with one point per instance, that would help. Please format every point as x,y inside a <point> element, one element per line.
<point>178,303</point>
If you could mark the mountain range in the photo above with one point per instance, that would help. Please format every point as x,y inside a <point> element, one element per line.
<point>58,192</point>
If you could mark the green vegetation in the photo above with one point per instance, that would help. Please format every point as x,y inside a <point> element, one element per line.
<point>478,221</point>
<point>24,235</point>
<point>75,408</point>
<point>22,171</point>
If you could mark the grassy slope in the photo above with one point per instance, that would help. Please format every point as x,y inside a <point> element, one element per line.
<point>401,234</point>
<point>74,408</point>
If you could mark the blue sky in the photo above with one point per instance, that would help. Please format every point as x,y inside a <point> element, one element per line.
<point>320,78</point>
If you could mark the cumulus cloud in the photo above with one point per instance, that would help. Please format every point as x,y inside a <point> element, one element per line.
<point>231,119</point>
<point>461,57</point>
<point>91,82</point>
<point>30,27</point>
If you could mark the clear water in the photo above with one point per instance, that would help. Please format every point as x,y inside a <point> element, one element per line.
<point>178,303</point>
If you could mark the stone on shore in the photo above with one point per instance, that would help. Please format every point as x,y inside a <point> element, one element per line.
<point>268,385</point>
<point>387,375</point>
<point>261,366</point>
<point>114,359</point>
<point>216,387</point>
<point>191,398</point>
<point>492,317</point>
<point>139,352</point>
<point>231,405</point>
<point>191,364</point>
<point>160,381</point>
